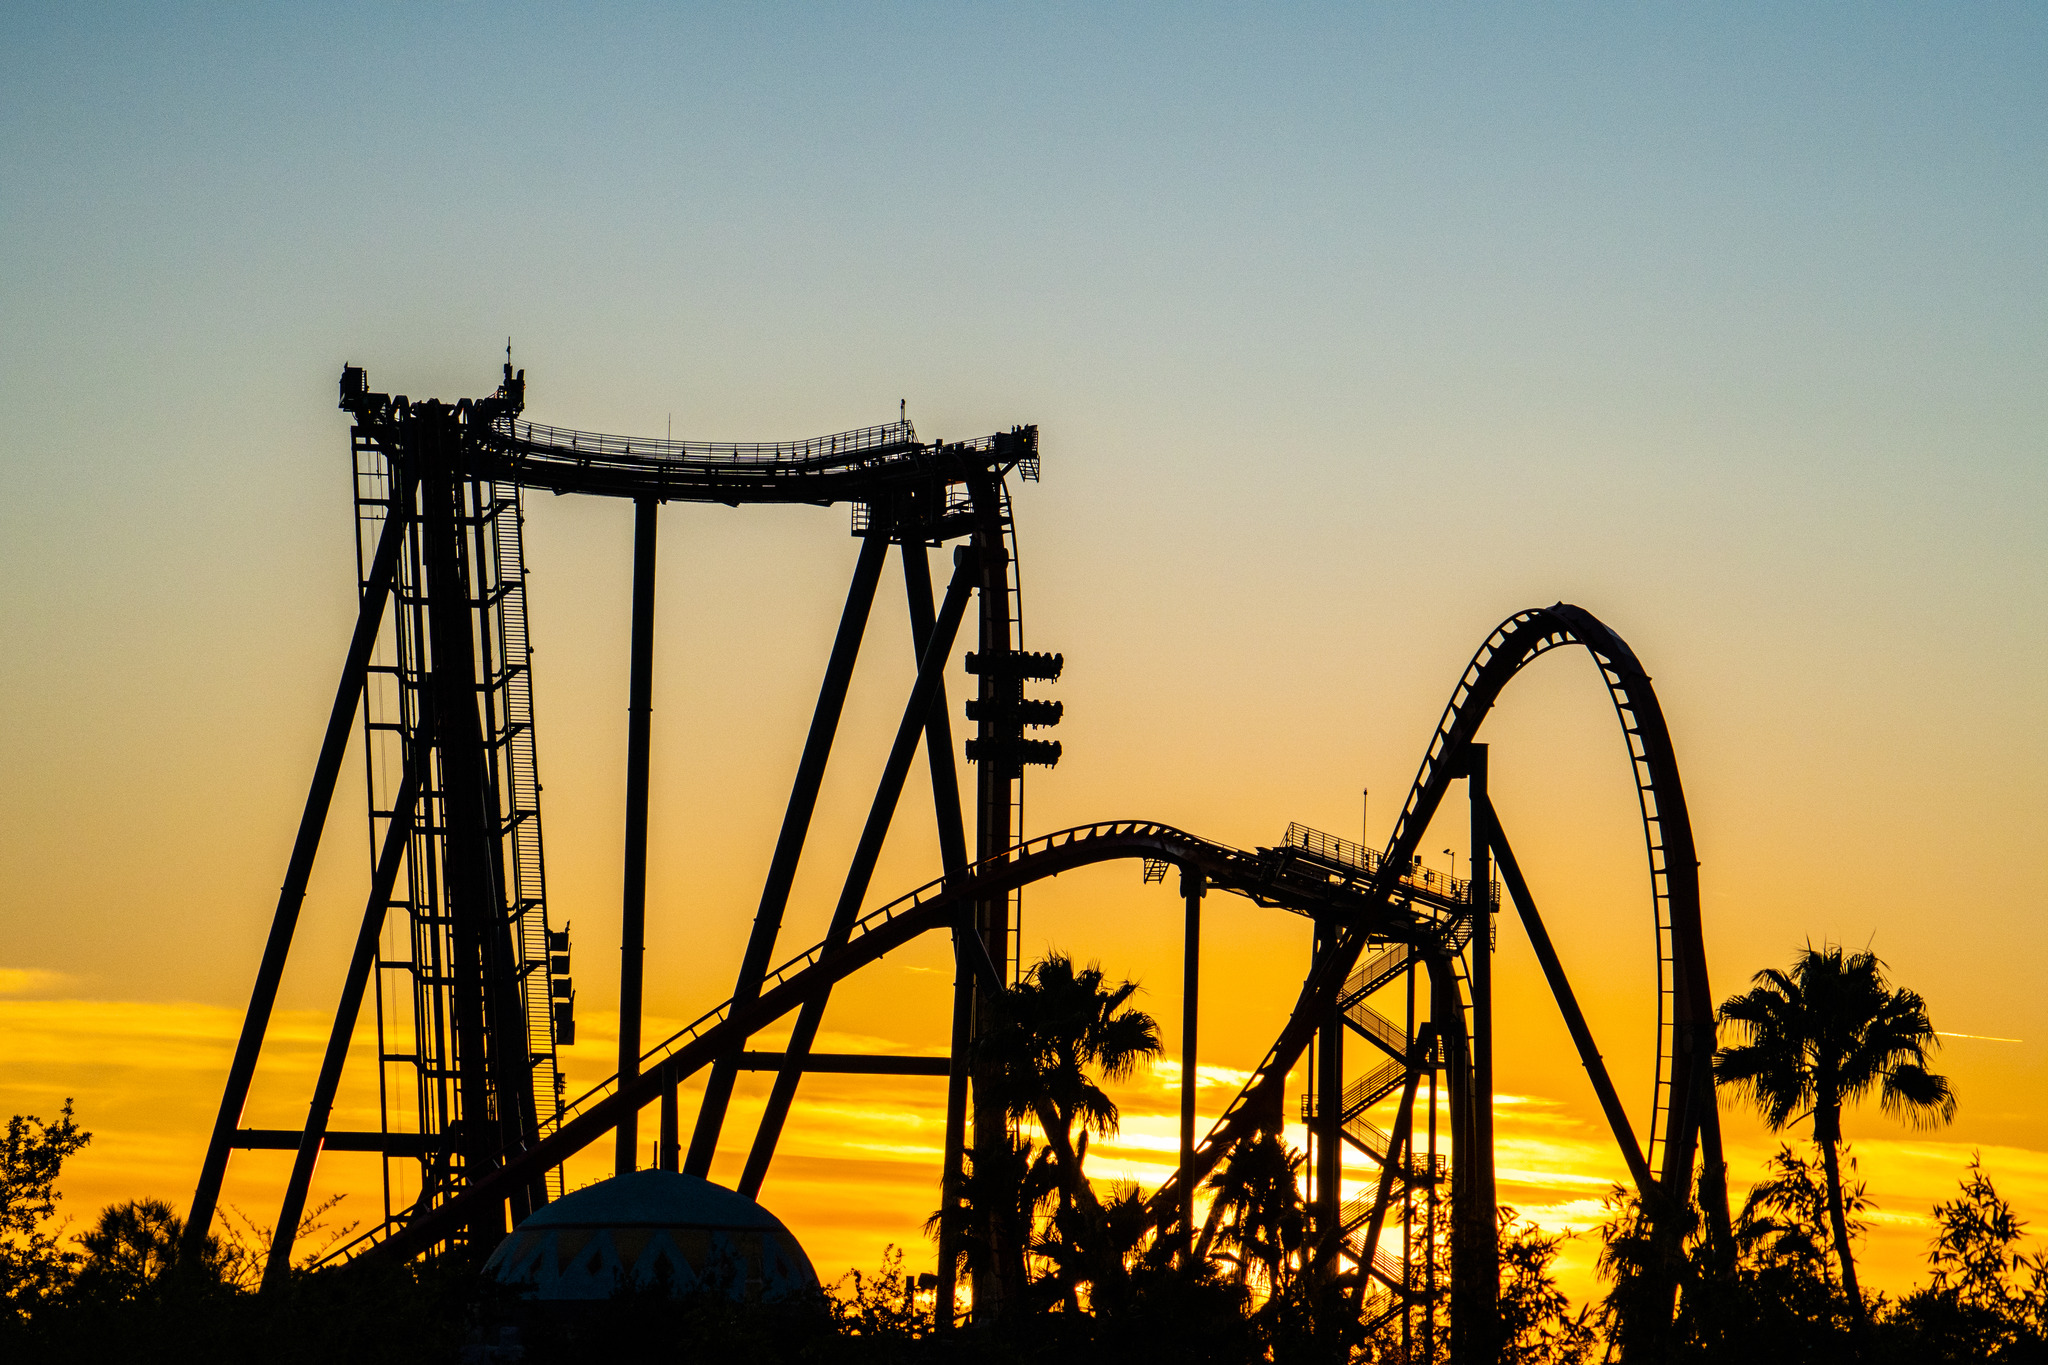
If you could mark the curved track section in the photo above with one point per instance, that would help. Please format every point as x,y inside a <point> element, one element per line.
<point>1380,905</point>
<point>849,466</point>
<point>1267,876</point>
<point>1684,1097</point>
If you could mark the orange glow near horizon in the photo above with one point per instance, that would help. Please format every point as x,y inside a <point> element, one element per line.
<point>856,1167</point>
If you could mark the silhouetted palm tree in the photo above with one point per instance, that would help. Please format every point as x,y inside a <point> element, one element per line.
<point>1004,1183</point>
<point>1061,1024</point>
<point>1824,1035</point>
<point>1257,1212</point>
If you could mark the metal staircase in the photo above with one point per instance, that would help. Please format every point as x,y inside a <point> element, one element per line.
<point>1399,1280</point>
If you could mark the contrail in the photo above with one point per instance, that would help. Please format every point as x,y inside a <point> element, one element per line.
<point>1981,1037</point>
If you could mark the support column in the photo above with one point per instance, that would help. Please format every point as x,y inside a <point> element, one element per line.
<point>1428,1058</point>
<point>1486,1196</point>
<point>938,753</point>
<point>1329,1118</point>
<point>1436,1061</point>
<point>633,912</point>
<point>1475,1244</point>
<point>951,1172</point>
<point>1191,888</point>
<point>671,1132</point>
<point>1447,1004</point>
<point>490,1044</point>
<point>999,1290</point>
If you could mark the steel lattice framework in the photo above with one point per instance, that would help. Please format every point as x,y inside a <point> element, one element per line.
<point>479,991</point>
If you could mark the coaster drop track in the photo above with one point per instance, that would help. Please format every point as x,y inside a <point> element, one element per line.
<point>438,671</point>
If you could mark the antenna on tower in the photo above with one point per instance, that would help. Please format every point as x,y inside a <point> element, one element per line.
<point>515,384</point>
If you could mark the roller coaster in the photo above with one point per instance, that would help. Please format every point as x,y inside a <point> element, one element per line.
<point>470,1009</point>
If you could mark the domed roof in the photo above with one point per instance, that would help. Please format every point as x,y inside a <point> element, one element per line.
<point>653,1228</point>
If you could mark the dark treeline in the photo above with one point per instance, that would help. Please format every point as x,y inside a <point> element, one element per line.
<point>1080,1274</point>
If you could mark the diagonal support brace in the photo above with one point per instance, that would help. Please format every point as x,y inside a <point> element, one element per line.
<point>930,671</point>
<point>397,835</point>
<point>1574,1017</point>
<point>796,825</point>
<point>292,895</point>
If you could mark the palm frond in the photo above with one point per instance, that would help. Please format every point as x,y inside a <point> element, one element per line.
<point>1917,1096</point>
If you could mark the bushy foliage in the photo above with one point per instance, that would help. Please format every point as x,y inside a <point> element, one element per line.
<point>1537,1323</point>
<point>1257,1222</point>
<point>34,1265</point>
<point>1986,1300</point>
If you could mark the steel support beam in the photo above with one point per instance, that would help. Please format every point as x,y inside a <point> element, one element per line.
<point>931,668</point>
<point>1485,1245</point>
<point>397,837</point>
<point>938,731</point>
<point>1327,1125</point>
<point>953,858</point>
<point>847,1063</point>
<point>1191,890</point>
<point>1433,1199</point>
<point>998,1287</point>
<point>1574,1017</point>
<point>671,1151</point>
<point>938,750</point>
<point>339,1140</point>
<point>298,871</point>
<point>1447,1012</point>
<point>1404,1125</point>
<point>493,1049</point>
<point>430,1225</point>
<point>952,1173</point>
<point>796,825</point>
<point>639,736</point>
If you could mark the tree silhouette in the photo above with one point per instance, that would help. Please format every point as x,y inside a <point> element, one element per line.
<point>1256,1215</point>
<point>33,1266</point>
<point>1004,1182</point>
<point>1061,1028</point>
<point>1537,1324</point>
<point>132,1247</point>
<point>1824,1035</point>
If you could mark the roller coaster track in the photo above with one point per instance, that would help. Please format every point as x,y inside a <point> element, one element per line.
<point>1269,877</point>
<point>1683,1111</point>
<point>1392,900</point>
<point>848,466</point>
<point>1379,915</point>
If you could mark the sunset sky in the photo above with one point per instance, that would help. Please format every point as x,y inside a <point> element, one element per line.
<point>1349,331</point>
